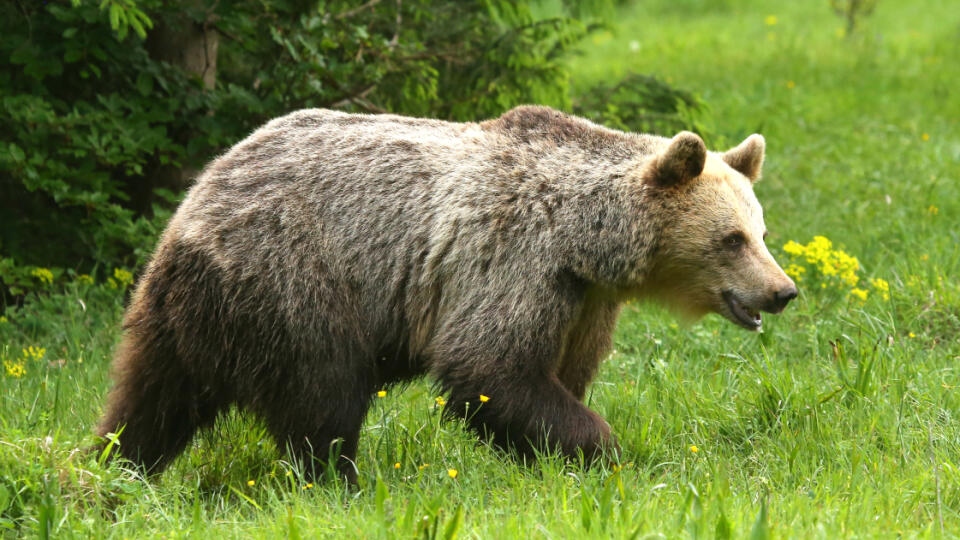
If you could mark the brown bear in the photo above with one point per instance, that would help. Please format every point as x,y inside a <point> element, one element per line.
<point>329,255</point>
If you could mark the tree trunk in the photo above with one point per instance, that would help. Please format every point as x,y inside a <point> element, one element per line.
<point>192,46</point>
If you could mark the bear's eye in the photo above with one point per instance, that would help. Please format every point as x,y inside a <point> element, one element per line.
<point>734,241</point>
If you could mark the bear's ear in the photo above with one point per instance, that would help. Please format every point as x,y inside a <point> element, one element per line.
<point>747,157</point>
<point>681,162</point>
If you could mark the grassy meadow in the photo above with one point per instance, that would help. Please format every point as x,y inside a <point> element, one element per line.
<point>841,420</point>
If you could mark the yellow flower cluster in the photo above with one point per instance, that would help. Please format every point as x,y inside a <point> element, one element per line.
<point>14,368</point>
<point>833,266</point>
<point>43,274</point>
<point>18,368</point>
<point>33,353</point>
<point>882,287</point>
<point>85,279</point>
<point>795,271</point>
<point>121,279</point>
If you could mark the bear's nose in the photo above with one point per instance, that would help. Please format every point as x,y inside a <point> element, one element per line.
<point>782,297</point>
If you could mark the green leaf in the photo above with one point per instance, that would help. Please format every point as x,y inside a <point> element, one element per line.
<point>453,526</point>
<point>69,33</point>
<point>114,16</point>
<point>144,84</point>
<point>761,529</point>
<point>16,153</point>
<point>722,532</point>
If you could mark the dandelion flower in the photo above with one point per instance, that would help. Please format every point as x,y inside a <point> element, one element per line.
<point>382,393</point>
<point>925,137</point>
<point>452,473</point>
<point>484,399</point>
<point>911,334</point>
<point>694,449</point>
<point>251,482</point>
<point>396,465</point>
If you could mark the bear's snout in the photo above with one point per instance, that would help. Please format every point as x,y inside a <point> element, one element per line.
<point>783,297</point>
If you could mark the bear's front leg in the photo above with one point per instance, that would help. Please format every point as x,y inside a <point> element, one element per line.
<point>499,362</point>
<point>534,412</point>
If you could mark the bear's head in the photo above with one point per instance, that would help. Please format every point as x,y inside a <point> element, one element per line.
<point>711,255</point>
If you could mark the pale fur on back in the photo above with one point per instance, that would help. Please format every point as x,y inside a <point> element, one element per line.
<point>440,218</point>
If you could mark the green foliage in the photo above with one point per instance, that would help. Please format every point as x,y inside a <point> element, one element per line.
<point>89,117</point>
<point>641,103</point>
<point>99,115</point>
<point>853,11</point>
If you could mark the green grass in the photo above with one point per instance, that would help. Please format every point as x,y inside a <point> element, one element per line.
<point>840,420</point>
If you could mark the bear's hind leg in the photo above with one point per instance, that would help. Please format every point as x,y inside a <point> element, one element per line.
<point>155,408</point>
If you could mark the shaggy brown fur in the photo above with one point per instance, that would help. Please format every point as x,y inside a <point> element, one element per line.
<point>328,255</point>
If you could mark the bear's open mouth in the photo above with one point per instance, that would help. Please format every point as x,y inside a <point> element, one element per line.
<point>741,314</point>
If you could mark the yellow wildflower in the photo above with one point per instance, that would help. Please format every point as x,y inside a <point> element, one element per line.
<point>43,274</point>
<point>396,465</point>
<point>308,486</point>
<point>85,279</point>
<point>33,353</point>
<point>791,84</point>
<point>818,250</point>
<point>694,449</point>
<point>933,210</point>
<point>770,20</point>
<point>452,473</point>
<point>3,320</point>
<point>14,369</point>
<point>440,401</point>
<point>859,293</point>
<point>123,277</point>
<point>484,399</point>
<point>911,334</point>
<point>424,466</point>
<point>251,482</point>
<point>881,285</point>
<point>382,393</point>
<point>793,248</point>
<point>925,137</point>
<point>795,271</point>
